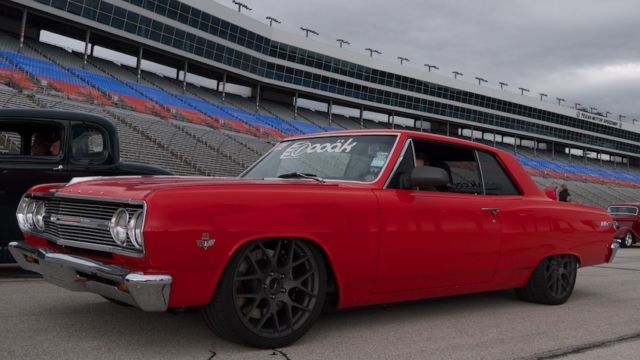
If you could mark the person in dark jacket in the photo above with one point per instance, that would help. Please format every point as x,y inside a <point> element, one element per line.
<point>563,194</point>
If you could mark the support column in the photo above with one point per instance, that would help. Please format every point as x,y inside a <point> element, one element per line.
<point>584,155</point>
<point>393,121</point>
<point>515,144</point>
<point>224,85</point>
<point>421,124</point>
<point>330,111</point>
<point>361,117</point>
<point>535,147</point>
<point>447,128</point>
<point>93,47</point>
<point>472,133</point>
<point>258,90</point>
<point>553,151</point>
<point>23,27</point>
<point>139,64</point>
<point>86,47</point>
<point>184,76</point>
<point>295,106</point>
<point>494,139</point>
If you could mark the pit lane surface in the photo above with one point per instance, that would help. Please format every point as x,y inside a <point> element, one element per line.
<point>601,320</point>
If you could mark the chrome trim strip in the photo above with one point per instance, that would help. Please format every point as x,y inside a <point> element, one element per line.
<point>80,221</point>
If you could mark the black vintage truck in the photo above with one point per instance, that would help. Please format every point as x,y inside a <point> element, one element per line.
<point>45,146</point>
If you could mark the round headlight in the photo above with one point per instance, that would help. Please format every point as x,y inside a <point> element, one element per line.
<point>21,213</point>
<point>118,226</point>
<point>29,212</point>
<point>135,229</point>
<point>38,215</point>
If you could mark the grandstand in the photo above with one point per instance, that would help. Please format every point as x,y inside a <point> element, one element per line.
<point>191,129</point>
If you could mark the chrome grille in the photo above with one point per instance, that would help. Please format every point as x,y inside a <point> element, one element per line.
<point>84,222</point>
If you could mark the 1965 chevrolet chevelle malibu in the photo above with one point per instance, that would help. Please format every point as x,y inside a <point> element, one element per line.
<point>361,217</point>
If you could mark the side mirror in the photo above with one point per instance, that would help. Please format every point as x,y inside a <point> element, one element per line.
<point>425,176</point>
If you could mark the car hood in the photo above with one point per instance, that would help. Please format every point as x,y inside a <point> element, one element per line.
<point>138,187</point>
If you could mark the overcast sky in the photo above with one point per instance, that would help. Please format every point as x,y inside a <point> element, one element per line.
<point>585,51</point>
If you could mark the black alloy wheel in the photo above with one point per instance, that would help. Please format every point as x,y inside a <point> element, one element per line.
<point>271,293</point>
<point>560,274</point>
<point>552,282</point>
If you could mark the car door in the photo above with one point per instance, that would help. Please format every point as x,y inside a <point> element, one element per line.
<point>443,237</point>
<point>20,170</point>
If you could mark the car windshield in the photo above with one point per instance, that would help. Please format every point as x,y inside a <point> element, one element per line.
<point>349,158</point>
<point>623,210</point>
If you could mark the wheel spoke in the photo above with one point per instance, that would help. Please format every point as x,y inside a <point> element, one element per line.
<point>264,319</point>
<point>276,322</point>
<point>249,277</point>
<point>247,296</point>
<point>300,261</point>
<point>290,256</point>
<point>301,307</point>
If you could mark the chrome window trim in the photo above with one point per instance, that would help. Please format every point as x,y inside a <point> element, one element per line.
<point>408,143</point>
<point>479,165</point>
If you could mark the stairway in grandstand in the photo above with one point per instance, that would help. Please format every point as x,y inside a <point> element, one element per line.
<point>194,131</point>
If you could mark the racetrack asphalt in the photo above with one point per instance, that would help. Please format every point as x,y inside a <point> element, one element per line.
<point>601,320</point>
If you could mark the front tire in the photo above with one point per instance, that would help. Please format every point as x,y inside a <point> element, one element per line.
<point>270,294</point>
<point>552,282</point>
<point>627,241</point>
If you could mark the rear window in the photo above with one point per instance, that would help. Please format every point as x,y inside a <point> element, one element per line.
<point>623,210</point>
<point>10,143</point>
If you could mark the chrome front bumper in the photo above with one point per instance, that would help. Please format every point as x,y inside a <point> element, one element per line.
<point>615,245</point>
<point>148,292</point>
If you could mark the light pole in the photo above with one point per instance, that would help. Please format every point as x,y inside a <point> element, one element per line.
<point>593,109</point>
<point>522,91</point>
<point>480,80</point>
<point>273,20</point>
<point>502,85</point>
<point>429,66</point>
<point>342,41</point>
<point>403,59</point>
<point>542,95</point>
<point>620,117</point>
<point>606,114</point>
<point>241,6</point>
<point>456,74</point>
<point>373,51</point>
<point>560,100</point>
<point>307,31</point>
<point>577,104</point>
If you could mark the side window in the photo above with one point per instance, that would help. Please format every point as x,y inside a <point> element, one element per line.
<point>10,143</point>
<point>88,145</point>
<point>496,180</point>
<point>45,142</point>
<point>459,163</point>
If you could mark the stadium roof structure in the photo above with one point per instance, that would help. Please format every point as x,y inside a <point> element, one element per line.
<point>220,43</point>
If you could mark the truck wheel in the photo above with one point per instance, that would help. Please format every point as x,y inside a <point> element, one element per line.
<point>552,281</point>
<point>627,241</point>
<point>270,294</point>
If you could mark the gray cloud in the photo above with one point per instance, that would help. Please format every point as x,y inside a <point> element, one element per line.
<point>542,45</point>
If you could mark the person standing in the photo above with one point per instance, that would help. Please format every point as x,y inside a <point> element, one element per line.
<point>563,194</point>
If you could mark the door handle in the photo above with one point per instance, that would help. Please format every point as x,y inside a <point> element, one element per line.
<point>493,211</point>
<point>59,168</point>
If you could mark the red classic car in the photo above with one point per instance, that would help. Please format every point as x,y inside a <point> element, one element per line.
<point>362,217</point>
<point>626,215</point>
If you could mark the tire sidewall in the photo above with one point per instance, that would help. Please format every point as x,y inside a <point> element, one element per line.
<point>224,303</point>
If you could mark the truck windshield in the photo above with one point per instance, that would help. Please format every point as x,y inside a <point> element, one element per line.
<point>623,210</point>
<point>350,158</point>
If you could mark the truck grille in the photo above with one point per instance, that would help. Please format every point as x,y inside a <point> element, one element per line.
<point>84,222</point>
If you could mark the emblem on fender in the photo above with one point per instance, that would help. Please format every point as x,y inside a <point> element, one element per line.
<point>205,242</point>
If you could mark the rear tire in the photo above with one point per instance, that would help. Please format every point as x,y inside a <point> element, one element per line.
<point>552,282</point>
<point>270,294</point>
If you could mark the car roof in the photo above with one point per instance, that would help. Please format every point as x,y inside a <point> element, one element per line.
<point>407,133</point>
<point>44,114</point>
